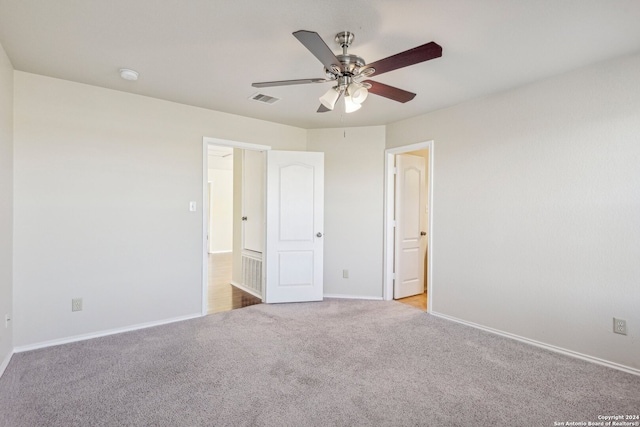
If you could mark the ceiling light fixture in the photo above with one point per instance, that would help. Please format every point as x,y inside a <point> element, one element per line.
<point>128,74</point>
<point>358,93</point>
<point>330,97</point>
<point>354,92</point>
<point>350,105</point>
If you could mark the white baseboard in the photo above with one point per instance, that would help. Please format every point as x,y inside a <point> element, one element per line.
<point>549,347</point>
<point>247,290</point>
<point>83,337</point>
<point>363,297</point>
<point>221,252</point>
<point>5,363</point>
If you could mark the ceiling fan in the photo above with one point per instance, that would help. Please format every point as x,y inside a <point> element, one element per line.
<point>350,72</point>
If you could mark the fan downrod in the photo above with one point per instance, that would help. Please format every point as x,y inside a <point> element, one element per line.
<point>350,64</point>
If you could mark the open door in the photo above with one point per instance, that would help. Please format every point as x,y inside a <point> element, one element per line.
<point>294,226</point>
<point>410,234</point>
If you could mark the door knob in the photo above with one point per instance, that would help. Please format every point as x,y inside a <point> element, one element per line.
<point>244,218</point>
<point>319,234</point>
<point>423,233</point>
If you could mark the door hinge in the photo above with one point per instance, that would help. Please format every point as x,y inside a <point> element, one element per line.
<point>394,223</point>
<point>395,170</point>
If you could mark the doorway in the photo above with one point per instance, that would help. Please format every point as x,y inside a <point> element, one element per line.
<point>278,223</point>
<point>408,247</point>
<point>232,246</point>
<point>222,294</point>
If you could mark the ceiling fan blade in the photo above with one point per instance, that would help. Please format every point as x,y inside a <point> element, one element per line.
<point>312,41</point>
<point>390,92</point>
<point>289,82</point>
<point>413,56</point>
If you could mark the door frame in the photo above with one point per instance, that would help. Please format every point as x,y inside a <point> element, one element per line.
<point>389,207</point>
<point>206,142</point>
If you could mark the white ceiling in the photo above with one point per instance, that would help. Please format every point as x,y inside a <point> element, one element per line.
<point>207,53</point>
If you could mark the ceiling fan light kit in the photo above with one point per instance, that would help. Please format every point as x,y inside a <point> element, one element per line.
<point>329,99</point>
<point>348,72</point>
<point>350,106</point>
<point>358,93</point>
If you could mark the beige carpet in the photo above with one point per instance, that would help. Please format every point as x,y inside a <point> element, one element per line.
<point>335,363</point>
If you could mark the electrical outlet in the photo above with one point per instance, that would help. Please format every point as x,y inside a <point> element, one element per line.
<point>76,304</point>
<point>345,274</point>
<point>619,326</point>
<point>7,319</point>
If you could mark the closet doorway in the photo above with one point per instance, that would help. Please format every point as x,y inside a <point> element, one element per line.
<point>407,244</point>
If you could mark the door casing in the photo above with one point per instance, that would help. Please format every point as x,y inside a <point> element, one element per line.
<point>389,203</point>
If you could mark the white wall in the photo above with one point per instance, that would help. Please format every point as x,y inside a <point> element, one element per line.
<point>6,207</point>
<point>220,178</point>
<point>221,211</point>
<point>103,181</point>
<point>537,209</point>
<point>354,175</point>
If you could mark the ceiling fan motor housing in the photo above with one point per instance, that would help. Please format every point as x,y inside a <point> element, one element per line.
<point>350,63</point>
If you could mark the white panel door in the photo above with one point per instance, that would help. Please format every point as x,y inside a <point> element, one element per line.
<point>295,220</point>
<point>410,225</point>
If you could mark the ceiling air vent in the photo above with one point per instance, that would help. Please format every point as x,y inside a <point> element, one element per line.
<point>260,97</point>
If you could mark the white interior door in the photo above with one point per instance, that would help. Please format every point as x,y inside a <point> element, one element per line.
<point>295,220</point>
<point>410,235</point>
